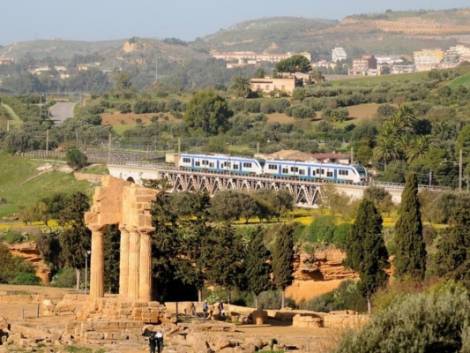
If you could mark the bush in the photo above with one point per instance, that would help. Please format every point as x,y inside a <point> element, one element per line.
<point>65,278</point>
<point>301,111</point>
<point>324,230</point>
<point>12,237</point>
<point>346,297</point>
<point>25,278</point>
<point>75,158</point>
<point>13,266</point>
<point>433,321</point>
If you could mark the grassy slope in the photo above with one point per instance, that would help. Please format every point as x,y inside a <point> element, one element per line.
<point>463,80</point>
<point>19,192</point>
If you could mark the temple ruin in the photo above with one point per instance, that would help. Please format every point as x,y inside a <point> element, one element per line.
<point>122,203</point>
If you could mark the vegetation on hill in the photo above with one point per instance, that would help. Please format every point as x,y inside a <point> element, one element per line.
<point>22,185</point>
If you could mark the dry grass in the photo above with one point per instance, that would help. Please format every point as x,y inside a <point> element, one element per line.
<point>363,111</point>
<point>117,118</point>
<point>280,118</point>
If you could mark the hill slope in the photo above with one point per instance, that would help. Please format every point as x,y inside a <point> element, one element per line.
<point>399,32</point>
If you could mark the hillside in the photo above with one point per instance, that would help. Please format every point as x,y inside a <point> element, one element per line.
<point>23,184</point>
<point>397,32</point>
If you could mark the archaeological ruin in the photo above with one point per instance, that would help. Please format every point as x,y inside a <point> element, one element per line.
<point>117,202</point>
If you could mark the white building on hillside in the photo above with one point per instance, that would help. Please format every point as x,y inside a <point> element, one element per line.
<point>338,54</point>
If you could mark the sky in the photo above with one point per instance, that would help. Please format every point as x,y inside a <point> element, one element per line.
<point>186,19</point>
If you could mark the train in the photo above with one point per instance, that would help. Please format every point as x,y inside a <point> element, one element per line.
<point>306,170</point>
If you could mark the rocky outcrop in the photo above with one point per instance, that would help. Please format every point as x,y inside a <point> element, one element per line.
<point>322,265</point>
<point>29,251</point>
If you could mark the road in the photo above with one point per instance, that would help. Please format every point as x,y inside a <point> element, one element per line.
<point>61,111</point>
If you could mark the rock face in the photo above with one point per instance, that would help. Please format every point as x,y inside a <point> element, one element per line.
<point>30,252</point>
<point>317,273</point>
<point>322,265</point>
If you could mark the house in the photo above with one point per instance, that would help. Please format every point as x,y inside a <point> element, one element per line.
<point>365,66</point>
<point>235,59</point>
<point>338,54</point>
<point>270,84</point>
<point>402,69</point>
<point>428,59</point>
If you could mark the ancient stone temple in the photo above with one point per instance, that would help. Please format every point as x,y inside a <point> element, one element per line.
<point>127,205</point>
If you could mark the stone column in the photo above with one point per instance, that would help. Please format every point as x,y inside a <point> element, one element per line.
<point>97,264</point>
<point>134,258</point>
<point>124,264</point>
<point>145,269</point>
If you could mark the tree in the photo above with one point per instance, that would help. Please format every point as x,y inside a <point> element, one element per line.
<point>366,251</point>
<point>380,197</point>
<point>257,266</point>
<point>75,158</point>
<point>75,237</point>
<point>111,258</point>
<point>224,254</point>
<point>410,259</point>
<point>296,63</point>
<point>208,112</point>
<point>240,87</point>
<point>283,256</point>
<point>453,257</point>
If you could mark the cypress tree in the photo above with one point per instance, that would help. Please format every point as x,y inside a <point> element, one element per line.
<point>258,268</point>
<point>283,255</point>
<point>366,251</point>
<point>453,255</point>
<point>112,240</point>
<point>410,257</point>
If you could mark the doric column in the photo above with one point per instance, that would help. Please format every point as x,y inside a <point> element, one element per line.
<point>134,258</point>
<point>97,264</point>
<point>124,264</point>
<point>145,269</point>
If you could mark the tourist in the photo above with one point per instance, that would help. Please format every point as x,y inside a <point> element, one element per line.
<point>159,338</point>
<point>153,342</point>
<point>193,309</point>
<point>205,309</point>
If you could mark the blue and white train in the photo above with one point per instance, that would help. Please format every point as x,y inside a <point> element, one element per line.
<point>353,174</point>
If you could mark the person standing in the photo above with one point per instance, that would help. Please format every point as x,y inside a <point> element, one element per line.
<point>153,342</point>
<point>159,339</point>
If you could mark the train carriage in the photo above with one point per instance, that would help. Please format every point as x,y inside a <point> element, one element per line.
<point>220,163</point>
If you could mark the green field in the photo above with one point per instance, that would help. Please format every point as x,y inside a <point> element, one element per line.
<point>463,80</point>
<point>367,81</point>
<point>21,184</point>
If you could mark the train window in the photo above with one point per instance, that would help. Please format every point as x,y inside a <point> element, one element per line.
<point>211,165</point>
<point>313,173</point>
<point>205,162</point>
<point>197,163</point>
<point>227,164</point>
<point>329,174</point>
<point>343,172</point>
<point>235,166</point>
<point>247,165</point>
<point>285,171</point>
<point>294,169</point>
<point>301,172</point>
<point>272,166</point>
<point>318,171</point>
<point>186,160</point>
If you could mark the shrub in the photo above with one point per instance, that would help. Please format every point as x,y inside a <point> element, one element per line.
<point>12,266</point>
<point>75,158</point>
<point>301,111</point>
<point>432,321</point>
<point>12,237</point>
<point>25,278</point>
<point>65,278</point>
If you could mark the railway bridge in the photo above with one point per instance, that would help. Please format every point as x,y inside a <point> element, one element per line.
<point>306,193</point>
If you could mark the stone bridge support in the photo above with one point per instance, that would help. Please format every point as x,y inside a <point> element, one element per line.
<point>127,205</point>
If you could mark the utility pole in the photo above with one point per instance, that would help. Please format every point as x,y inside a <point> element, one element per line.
<point>352,154</point>
<point>179,145</point>
<point>430,178</point>
<point>47,142</point>
<point>460,169</point>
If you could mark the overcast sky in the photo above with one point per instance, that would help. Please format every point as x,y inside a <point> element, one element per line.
<point>186,19</point>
